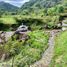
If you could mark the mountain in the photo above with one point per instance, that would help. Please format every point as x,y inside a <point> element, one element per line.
<point>7,7</point>
<point>40,4</point>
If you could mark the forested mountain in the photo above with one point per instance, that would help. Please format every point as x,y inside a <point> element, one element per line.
<point>38,6</point>
<point>6,7</point>
<point>40,3</point>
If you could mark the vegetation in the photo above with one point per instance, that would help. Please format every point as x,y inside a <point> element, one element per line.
<point>60,51</point>
<point>7,23</point>
<point>12,22</point>
<point>40,4</point>
<point>26,52</point>
<point>43,7</point>
<point>6,8</point>
<point>37,15</point>
<point>8,20</point>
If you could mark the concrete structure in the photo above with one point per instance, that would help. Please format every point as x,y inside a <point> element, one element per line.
<point>22,32</point>
<point>64,25</point>
<point>21,29</point>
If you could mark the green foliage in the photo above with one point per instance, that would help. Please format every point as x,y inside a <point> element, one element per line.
<point>35,7</point>
<point>51,11</point>
<point>26,57</point>
<point>27,52</point>
<point>60,51</point>
<point>37,39</point>
<point>5,8</point>
<point>8,20</point>
<point>40,4</point>
<point>34,22</point>
<point>52,22</point>
<point>33,45</point>
<point>55,10</point>
<point>38,22</point>
<point>13,47</point>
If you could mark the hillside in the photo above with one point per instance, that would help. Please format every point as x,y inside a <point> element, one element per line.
<point>40,3</point>
<point>7,7</point>
<point>38,6</point>
<point>43,7</point>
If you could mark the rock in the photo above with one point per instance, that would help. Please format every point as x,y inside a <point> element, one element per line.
<point>3,57</point>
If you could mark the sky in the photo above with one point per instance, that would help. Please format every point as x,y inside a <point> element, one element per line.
<point>18,3</point>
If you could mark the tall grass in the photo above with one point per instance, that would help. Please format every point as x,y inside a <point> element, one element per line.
<point>60,51</point>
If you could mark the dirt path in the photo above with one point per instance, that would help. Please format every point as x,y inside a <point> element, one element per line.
<point>48,54</point>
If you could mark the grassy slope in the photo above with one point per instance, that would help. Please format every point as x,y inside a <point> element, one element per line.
<point>60,54</point>
<point>7,20</point>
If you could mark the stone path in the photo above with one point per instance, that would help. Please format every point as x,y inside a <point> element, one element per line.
<point>48,54</point>
<point>7,35</point>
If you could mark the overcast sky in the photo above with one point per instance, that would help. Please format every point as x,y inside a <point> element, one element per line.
<point>16,2</point>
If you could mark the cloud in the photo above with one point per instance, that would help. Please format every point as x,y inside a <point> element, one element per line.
<point>16,2</point>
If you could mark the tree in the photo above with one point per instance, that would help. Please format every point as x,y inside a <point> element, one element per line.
<point>60,9</point>
<point>55,10</point>
<point>51,11</point>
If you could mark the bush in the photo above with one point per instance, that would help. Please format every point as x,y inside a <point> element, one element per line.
<point>55,10</point>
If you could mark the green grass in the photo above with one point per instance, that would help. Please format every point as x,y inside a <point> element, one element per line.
<point>6,23</point>
<point>60,52</point>
<point>7,20</point>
